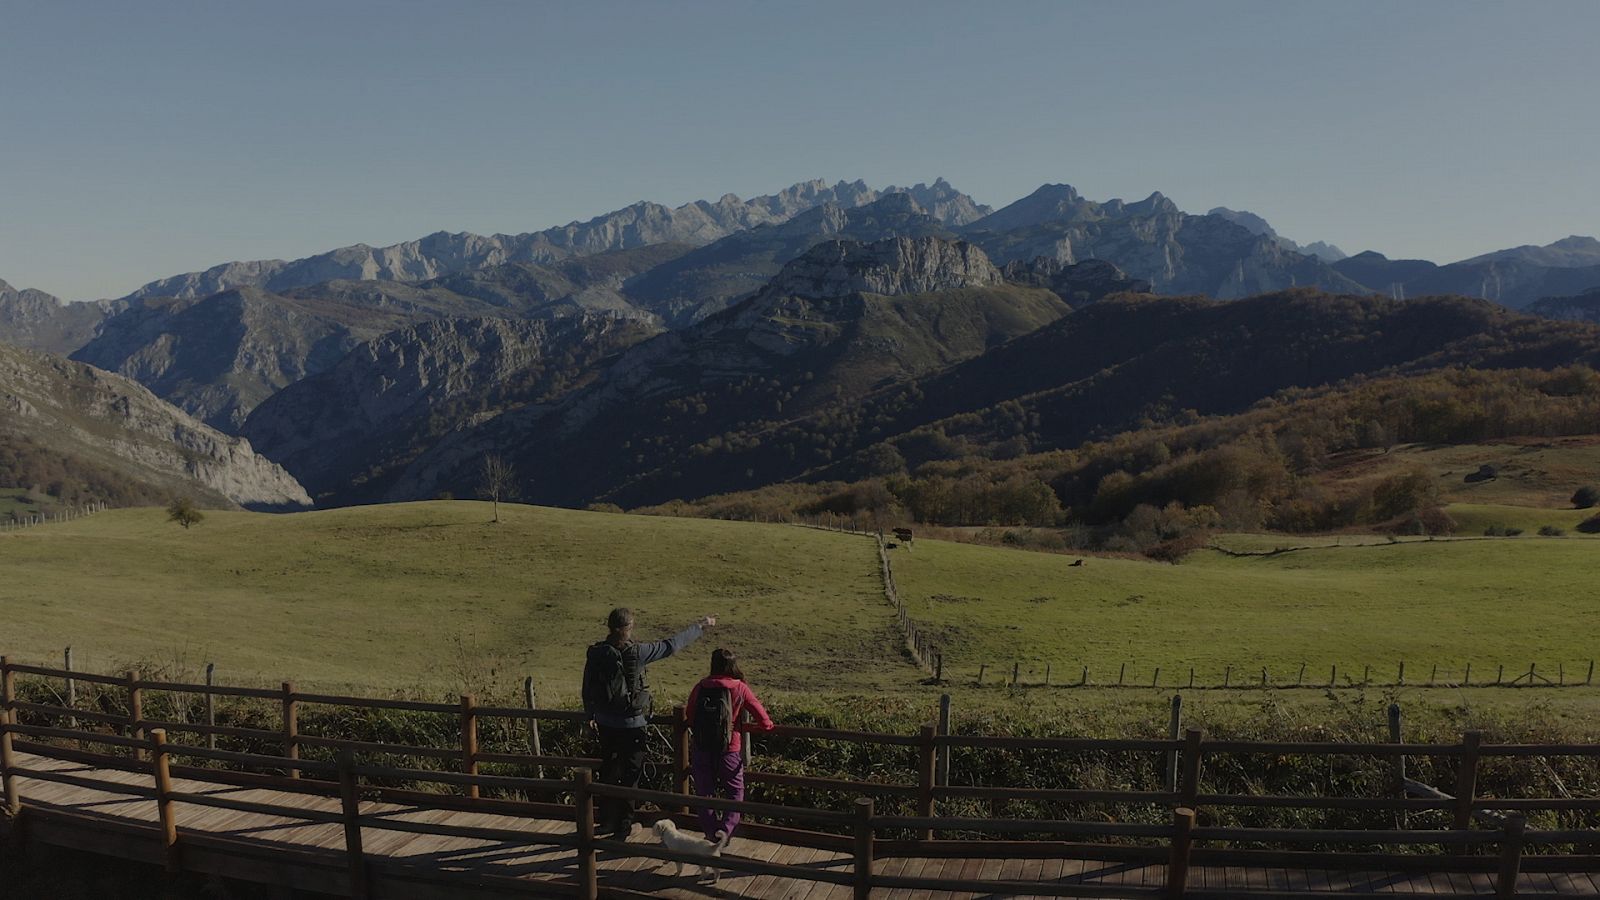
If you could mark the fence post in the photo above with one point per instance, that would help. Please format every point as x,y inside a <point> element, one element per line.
<point>291,727</point>
<point>942,777</point>
<point>863,884</point>
<point>1189,781</point>
<point>1397,768</point>
<point>1589,679</point>
<point>350,805</point>
<point>211,706</point>
<point>1467,780</point>
<point>135,711</point>
<point>163,773</point>
<point>938,668</point>
<point>469,740</point>
<point>1178,862</point>
<point>1173,732</point>
<point>72,688</point>
<point>926,775</point>
<point>1505,884</point>
<point>680,752</point>
<point>534,744</point>
<point>1333,674</point>
<point>8,716</point>
<point>1121,674</point>
<point>1466,680</point>
<point>588,878</point>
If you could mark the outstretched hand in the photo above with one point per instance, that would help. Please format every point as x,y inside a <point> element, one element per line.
<point>708,621</point>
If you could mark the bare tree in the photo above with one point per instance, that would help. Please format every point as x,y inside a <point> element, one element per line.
<point>497,480</point>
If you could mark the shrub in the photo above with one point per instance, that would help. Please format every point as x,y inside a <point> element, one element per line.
<point>1590,525</point>
<point>1586,497</point>
<point>1501,531</point>
<point>1551,531</point>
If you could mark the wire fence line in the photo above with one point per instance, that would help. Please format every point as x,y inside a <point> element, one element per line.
<point>65,514</point>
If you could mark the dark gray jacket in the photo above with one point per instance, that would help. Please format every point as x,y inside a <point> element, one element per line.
<point>649,652</point>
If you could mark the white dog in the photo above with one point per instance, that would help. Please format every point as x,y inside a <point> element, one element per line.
<point>691,845</point>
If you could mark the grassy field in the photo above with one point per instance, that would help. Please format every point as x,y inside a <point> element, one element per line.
<point>433,595</point>
<point>1444,603</point>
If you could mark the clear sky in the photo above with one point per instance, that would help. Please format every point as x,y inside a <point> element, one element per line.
<point>139,140</point>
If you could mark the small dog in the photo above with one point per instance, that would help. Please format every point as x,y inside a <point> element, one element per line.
<point>690,844</point>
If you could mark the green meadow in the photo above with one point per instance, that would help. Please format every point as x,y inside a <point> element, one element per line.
<point>435,598</point>
<point>1349,602</point>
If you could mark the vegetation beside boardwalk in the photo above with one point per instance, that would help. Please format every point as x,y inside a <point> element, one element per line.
<point>1345,717</point>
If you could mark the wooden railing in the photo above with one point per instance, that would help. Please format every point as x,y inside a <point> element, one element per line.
<point>1170,835</point>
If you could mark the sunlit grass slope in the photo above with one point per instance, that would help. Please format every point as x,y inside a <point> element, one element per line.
<point>1445,603</point>
<point>433,595</point>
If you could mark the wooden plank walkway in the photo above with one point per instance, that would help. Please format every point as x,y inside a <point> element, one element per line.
<point>305,854</point>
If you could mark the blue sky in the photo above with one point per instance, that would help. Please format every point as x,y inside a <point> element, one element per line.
<point>146,139</point>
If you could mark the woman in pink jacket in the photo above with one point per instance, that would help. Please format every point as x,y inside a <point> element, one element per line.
<point>717,707</point>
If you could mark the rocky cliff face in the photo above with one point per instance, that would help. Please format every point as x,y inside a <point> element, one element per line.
<point>638,225</point>
<point>217,357</point>
<point>1151,240</point>
<point>895,266</point>
<point>708,279</point>
<point>82,412</point>
<point>343,432</point>
<point>1078,284</point>
<point>36,320</point>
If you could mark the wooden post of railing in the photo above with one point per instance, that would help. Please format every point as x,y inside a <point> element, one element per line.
<point>1178,862</point>
<point>1189,782</point>
<point>1505,884</point>
<point>135,711</point>
<point>863,884</point>
<point>291,727</point>
<point>1397,764</point>
<point>469,740</point>
<point>680,753</point>
<point>350,806</point>
<point>926,771</point>
<point>588,878</point>
<point>8,716</point>
<point>211,705</point>
<point>72,687</point>
<point>534,744</point>
<point>942,776</point>
<point>1467,780</point>
<point>1174,730</point>
<point>164,811</point>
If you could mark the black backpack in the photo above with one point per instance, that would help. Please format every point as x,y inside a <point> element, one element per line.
<point>613,682</point>
<point>711,720</point>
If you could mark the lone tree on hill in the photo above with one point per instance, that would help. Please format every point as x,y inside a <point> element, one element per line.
<point>497,480</point>
<point>182,510</point>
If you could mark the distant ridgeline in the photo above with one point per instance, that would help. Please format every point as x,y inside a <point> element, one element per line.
<point>899,352</point>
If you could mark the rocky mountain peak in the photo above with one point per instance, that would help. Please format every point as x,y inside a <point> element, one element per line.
<point>901,265</point>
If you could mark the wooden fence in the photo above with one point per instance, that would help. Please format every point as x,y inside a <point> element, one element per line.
<point>65,514</point>
<point>1173,835</point>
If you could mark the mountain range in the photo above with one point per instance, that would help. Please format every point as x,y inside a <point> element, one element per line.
<point>827,330</point>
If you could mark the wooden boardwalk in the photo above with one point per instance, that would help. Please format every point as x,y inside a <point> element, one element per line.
<point>308,852</point>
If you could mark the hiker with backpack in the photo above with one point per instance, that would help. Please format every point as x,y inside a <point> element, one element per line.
<point>617,698</point>
<point>716,711</point>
